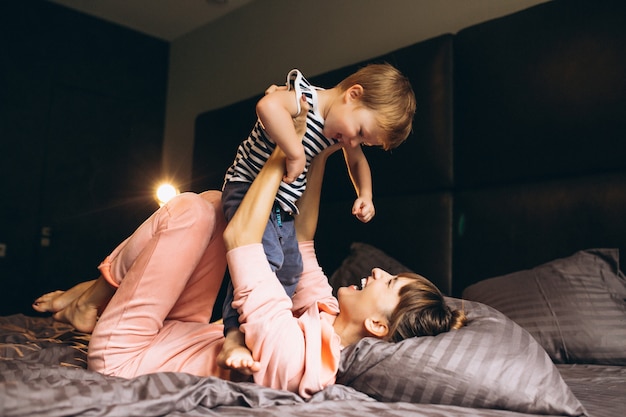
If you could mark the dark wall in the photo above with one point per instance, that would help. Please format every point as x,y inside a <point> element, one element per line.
<point>517,154</point>
<point>81,125</point>
<point>539,144</point>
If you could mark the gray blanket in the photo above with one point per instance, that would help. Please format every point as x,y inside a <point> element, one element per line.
<point>43,373</point>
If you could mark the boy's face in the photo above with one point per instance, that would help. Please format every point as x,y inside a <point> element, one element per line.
<point>351,123</point>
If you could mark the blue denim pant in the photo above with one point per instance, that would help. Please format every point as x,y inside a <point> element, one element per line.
<point>279,243</point>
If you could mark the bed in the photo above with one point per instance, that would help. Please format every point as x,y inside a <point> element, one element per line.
<point>510,195</point>
<point>559,350</point>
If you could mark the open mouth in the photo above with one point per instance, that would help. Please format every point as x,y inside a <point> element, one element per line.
<point>361,285</point>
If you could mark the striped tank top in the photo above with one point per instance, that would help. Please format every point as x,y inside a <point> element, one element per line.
<point>257,148</point>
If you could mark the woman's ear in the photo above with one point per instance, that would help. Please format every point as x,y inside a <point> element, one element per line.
<point>377,328</point>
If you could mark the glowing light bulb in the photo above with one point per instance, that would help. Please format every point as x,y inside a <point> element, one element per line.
<point>165,192</point>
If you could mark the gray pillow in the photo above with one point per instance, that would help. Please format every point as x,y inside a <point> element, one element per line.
<point>490,363</point>
<point>575,307</point>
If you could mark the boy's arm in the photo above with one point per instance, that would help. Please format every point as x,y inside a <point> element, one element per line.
<point>361,176</point>
<point>276,111</point>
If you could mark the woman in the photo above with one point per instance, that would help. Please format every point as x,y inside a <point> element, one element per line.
<point>156,285</point>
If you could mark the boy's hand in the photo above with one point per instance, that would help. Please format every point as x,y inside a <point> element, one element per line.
<point>295,167</point>
<point>363,209</point>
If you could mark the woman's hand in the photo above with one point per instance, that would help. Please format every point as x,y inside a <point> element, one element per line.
<point>275,87</point>
<point>299,122</point>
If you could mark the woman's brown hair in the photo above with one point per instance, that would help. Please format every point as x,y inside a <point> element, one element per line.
<point>422,311</point>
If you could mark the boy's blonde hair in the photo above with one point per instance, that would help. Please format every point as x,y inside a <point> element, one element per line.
<point>388,93</point>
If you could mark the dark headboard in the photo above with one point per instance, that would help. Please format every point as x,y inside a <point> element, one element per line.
<point>540,137</point>
<point>517,156</point>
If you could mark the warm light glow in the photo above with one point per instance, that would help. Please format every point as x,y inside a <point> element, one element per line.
<point>165,192</point>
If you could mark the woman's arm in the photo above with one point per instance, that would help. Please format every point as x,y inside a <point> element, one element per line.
<point>272,334</point>
<point>248,223</point>
<point>313,285</point>
<point>309,202</point>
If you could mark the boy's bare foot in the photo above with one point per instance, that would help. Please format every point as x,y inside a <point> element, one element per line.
<point>236,356</point>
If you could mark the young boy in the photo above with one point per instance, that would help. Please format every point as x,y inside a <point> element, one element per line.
<point>372,107</point>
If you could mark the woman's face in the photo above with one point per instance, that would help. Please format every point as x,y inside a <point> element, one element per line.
<point>379,296</point>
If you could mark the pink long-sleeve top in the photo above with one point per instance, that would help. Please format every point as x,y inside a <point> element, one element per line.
<point>293,339</point>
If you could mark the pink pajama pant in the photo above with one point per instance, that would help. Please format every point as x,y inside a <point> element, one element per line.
<point>168,275</point>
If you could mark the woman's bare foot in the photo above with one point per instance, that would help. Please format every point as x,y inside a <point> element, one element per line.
<point>79,306</point>
<point>55,301</point>
<point>236,356</point>
<point>82,316</point>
